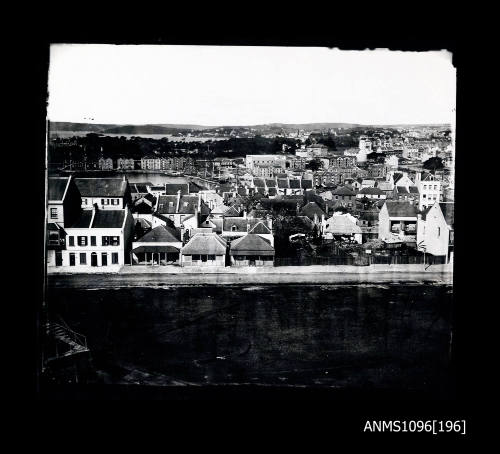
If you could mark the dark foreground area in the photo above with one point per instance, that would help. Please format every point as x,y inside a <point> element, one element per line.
<point>344,336</point>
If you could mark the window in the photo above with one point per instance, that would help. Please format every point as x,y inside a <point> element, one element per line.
<point>211,257</point>
<point>71,240</point>
<point>72,259</point>
<point>114,202</point>
<point>85,201</point>
<point>104,201</point>
<point>439,231</point>
<point>53,213</point>
<point>92,241</point>
<point>196,257</point>
<point>114,258</point>
<point>83,258</point>
<point>105,240</point>
<point>115,241</point>
<point>82,241</point>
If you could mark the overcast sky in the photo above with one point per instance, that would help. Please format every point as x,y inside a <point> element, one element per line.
<point>216,85</point>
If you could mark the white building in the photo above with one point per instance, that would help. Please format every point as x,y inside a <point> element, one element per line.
<point>429,188</point>
<point>435,233</point>
<point>106,193</point>
<point>98,238</point>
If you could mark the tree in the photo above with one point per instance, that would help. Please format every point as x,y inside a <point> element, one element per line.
<point>315,164</point>
<point>434,164</point>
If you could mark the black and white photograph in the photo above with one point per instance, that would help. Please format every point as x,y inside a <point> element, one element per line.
<point>261,217</point>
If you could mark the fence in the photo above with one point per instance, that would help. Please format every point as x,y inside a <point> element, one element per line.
<point>361,260</point>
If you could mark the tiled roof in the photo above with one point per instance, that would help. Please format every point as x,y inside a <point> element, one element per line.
<point>251,245</point>
<point>282,183</point>
<point>294,184</point>
<point>205,243</point>
<point>413,189</point>
<point>57,187</point>
<point>343,191</point>
<point>258,182</point>
<point>240,224</point>
<point>260,228</point>
<point>167,204</point>
<point>306,184</point>
<point>101,187</point>
<point>310,209</point>
<point>161,234</point>
<point>401,190</point>
<point>401,209</point>
<point>270,183</point>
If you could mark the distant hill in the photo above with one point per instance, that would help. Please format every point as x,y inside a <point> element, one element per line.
<point>172,128</point>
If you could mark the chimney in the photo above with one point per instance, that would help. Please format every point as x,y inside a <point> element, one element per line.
<point>178,201</point>
<point>244,214</point>
<point>269,222</point>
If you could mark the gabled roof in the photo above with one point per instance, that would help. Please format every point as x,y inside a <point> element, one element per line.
<point>294,184</point>
<point>272,191</point>
<point>372,191</point>
<point>231,211</point>
<point>161,234</point>
<point>251,245</point>
<point>310,209</point>
<point>101,187</point>
<point>401,209</point>
<point>342,190</point>
<point>205,243</point>
<point>342,225</point>
<point>306,184</point>
<point>402,190</point>
<point>413,189</point>
<point>259,182</point>
<point>240,224</point>
<point>57,187</point>
<point>167,204</point>
<point>260,228</point>
<point>270,183</point>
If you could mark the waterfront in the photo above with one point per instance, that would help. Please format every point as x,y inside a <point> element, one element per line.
<point>340,335</point>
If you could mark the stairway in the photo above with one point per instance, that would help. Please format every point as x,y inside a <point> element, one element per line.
<point>76,342</point>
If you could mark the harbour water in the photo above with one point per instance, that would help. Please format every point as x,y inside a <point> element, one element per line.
<point>363,335</point>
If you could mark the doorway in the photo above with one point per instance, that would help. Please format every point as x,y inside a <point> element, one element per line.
<point>104,259</point>
<point>93,259</point>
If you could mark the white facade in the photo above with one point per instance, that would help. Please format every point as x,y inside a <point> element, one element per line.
<point>433,233</point>
<point>430,191</point>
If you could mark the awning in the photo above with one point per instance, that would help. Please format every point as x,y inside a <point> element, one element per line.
<point>251,252</point>
<point>142,249</point>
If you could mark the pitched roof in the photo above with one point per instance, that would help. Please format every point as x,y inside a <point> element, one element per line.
<point>111,219</point>
<point>413,189</point>
<point>272,191</point>
<point>282,182</point>
<point>251,245</point>
<point>260,228</point>
<point>205,243</point>
<point>167,204</point>
<point>101,187</point>
<point>401,190</point>
<point>83,221</point>
<point>401,209</point>
<point>270,183</point>
<point>306,184</point>
<point>294,184</point>
<point>310,209</point>
<point>57,187</point>
<point>231,211</point>
<point>259,182</point>
<point>161,234</point>
<point>342,225</point>
<point>240,224</point>
<point>343,190</point>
